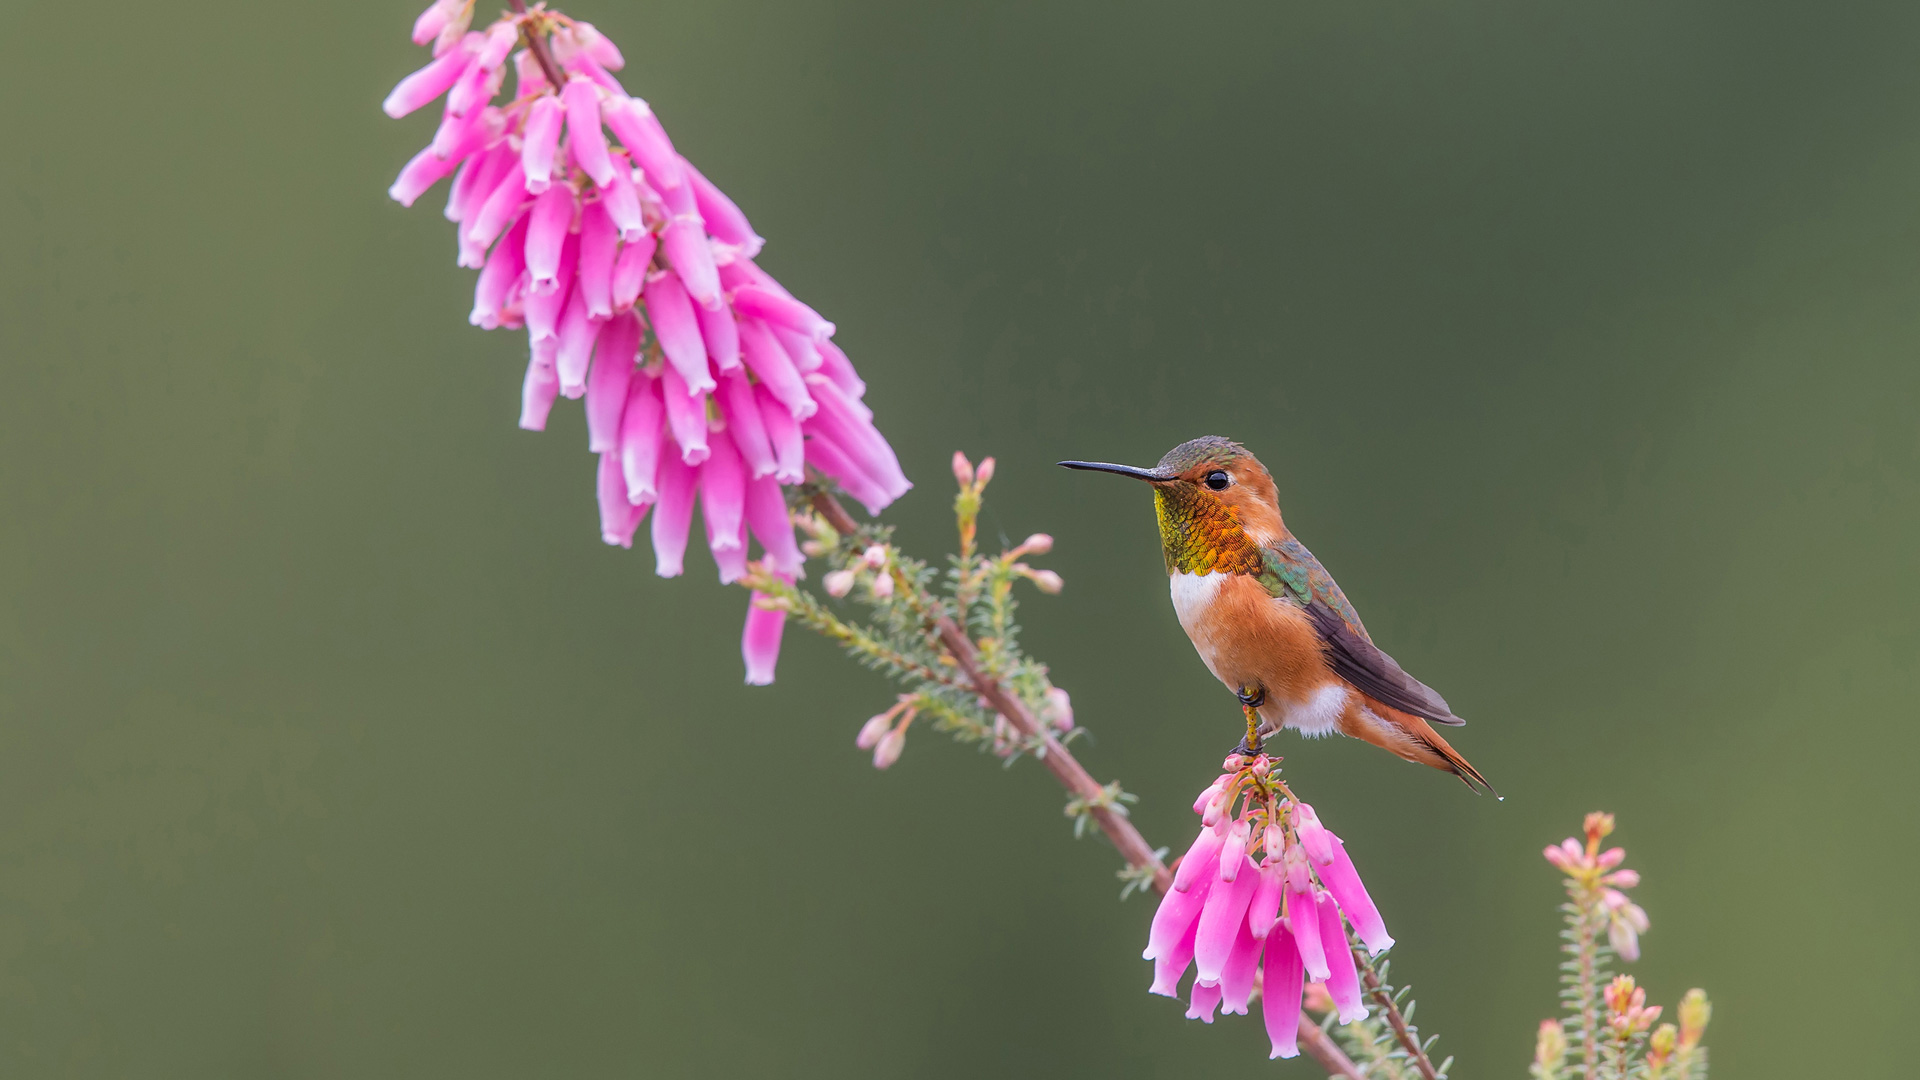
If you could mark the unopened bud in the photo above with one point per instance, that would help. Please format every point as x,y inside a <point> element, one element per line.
<point>1046,581</point>
<point>1274,842</point>
<point>1316,998</point>
<point>1611,858</point>
<point>1550,1046</point>
<point>838,582</point>
<point>1059,709</point>
<point>875,556</point>
<point>1695,1011</point>
<point>1624,879</point>
<point>888,750</point>
<point>875,729</point>
<point>1200,804</point>
<point>962,469</point>
<point>1313,835</point>
<point>984,474</point>
<point>1037,544</point>
<point>1660,1047</point>
<point>882,586</point>
<point>1598,825</point>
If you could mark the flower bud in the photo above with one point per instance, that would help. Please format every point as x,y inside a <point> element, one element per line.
<point>875,556</point>
<point>1059,709</point>
<point>1624,879</point>
<point>875,729</point>
<point>1206,797</point>
<point>1046,581</point>
<point>882,586</point>
<point>838,582</point>
<point>1660,1047</point>
<point>1598,825</point>
<point>1550,1047</point>
<point>1234,851</point>
<point>1695,1011</point>
<point>1314,836</point>
<point>962,469</point>
<point>1611,858</point>
<point>1037,544</point>
<point>888,750</point>
<point>984,474</point>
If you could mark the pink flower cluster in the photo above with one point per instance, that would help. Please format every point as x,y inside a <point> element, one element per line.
<point>1595,879</point>
<point>1258,901</point>
<point>633,276</point>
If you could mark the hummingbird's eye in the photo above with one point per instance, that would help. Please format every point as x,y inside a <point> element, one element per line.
<point>1218,480</point>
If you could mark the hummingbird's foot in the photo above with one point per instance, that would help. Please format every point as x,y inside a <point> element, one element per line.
<point>1251,697</point>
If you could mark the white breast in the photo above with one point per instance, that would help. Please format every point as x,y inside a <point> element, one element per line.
<point>1192,594</point>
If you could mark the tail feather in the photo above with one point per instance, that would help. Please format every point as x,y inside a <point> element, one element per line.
<point>1413,738</point>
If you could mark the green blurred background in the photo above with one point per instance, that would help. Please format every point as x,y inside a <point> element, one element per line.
<point>1581,338</point>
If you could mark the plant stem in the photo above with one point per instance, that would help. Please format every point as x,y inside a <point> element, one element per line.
<point>538,47</point>
<point>1074,777</point>
<point>1589,1019</point>
<point>1371,979</point>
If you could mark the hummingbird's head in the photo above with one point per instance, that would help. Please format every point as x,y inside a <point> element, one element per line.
<point>1216,505</point>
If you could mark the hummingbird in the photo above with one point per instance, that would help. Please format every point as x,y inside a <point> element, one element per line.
<point>1267,618</point>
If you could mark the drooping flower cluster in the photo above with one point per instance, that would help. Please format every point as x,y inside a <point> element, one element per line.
<point>633,276</point>
<point>1259,898</point>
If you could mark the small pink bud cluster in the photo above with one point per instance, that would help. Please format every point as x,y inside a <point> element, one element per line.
<point>875,566</point>
<point>886,733</point>
<point>1627,1009</point>
<point>1592,872</point>
<point>633,276</point>
<point>1260,896</point>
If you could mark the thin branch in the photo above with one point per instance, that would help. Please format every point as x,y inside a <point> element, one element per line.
<point>538,47</point>
<point>1371,979</point>
<point>1074,777</point>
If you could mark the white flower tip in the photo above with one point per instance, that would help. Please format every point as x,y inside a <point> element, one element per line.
<point>759,678</point>
<point>668,567</point>
<point>695,455</point>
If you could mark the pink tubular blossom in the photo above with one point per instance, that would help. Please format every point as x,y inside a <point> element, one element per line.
<point>622,200</point>
<point>1177,916</point>
<point>476,86</point>
<point>608,383</point>
<point>770,364</point>
<point>673,516</point>
<point>539,139</point>
<point>799,346</point>
<point>1236,978</point>
<point>1304,921</point>
<point>1220,921</point>
<point>630,272</point>
<point>1171,962</point>
<point>632,120</point>
<point>1202,859</point>
<point>543,310</point>
<point>724,220</point>
<point>721,333</point>
<point>760,639</point>
<point>584,137</point>
<point>744,423</point>
<point>436,78</point>
<point>425,170</point>
<point>1264,909</point>
<point>671,314</point>
<point>686,246</point>
<point>598,239</point>
<point>772,524</point>
<point>552,220</point>
<point>641,437</point>
<point>1283,980</point>
<point>500,207</point>
<point>723,495</point>
<point>435,19</point>
<point>1202,1000</point>
<point>595,44</point>
<point>578,331</point>
<point>686,416</point>
<point>503,268</point>
<point>831,460</point>
<point>755,302</point>
<point>618,518</point>
<point>835,365</point>
<point>783,432</point>
<point>539,389</point>
<point>1343,881</point>
<point>1343,978</point>
<point>1313,835</point>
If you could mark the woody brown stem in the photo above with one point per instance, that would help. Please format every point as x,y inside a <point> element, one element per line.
<point>1074,777</point>
<point>538,47</point>
<point>1371,980</point>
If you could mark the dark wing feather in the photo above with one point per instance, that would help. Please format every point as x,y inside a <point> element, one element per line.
<point>1291,572</point>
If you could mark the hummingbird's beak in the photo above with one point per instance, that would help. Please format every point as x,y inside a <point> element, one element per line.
<point>1148,475</point>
